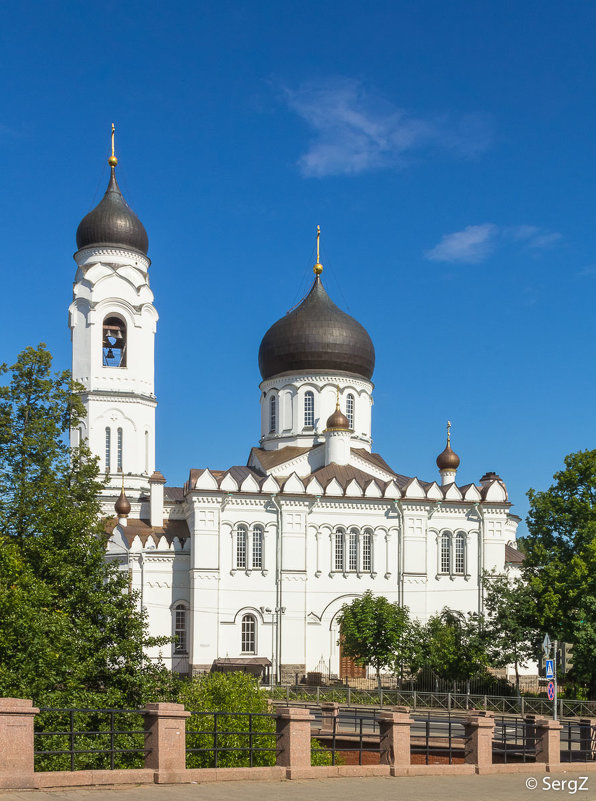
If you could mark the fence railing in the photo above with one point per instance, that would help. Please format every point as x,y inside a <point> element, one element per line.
<point>88,739</point>
<point>220,739</point>
<point>415,699</point>
<point>287,742</point>
<point>578,741</point>
<point>438,738</point>
<point>514,740</point>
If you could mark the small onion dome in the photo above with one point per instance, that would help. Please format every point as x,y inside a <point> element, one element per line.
<point>113,222</point>
<point>122,505</point>
<point>317,335</point>
<point>448,460</point>
<point>338,421</point>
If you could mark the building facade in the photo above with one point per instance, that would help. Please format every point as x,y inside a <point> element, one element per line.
<point>252,564</point>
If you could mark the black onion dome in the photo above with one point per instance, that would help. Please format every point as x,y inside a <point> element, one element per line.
<point>112,222</point>
<point>317,335</point>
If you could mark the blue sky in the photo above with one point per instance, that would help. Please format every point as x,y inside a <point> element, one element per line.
<point>446,149</point>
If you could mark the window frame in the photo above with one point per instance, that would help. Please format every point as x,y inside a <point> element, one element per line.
<point>241,547</point>
<point>309,413</point>
<point>351,412</point>
<point>273,414</point>
<point>108,451</point>
<point>181,644</point>
<point>258,536</point>
<point>248,635</point>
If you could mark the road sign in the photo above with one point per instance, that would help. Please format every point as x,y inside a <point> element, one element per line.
<point>550,669</point>
<point>550,691</point>
<point>546,645</point>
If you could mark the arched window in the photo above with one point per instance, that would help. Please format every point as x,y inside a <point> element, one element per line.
<point>249,634</point>
<point>119,452</point>
<point>180,629</point>
<point>272,414</point>
<point>257,546</point>
<point>460,553</point>
<point>353,549</point>
<point>113,344</point>
<point>108,459</point>
<point>366,550</point>
<point>338,556</point>
<point>445,552</point>
<point>241,538</point>
<point>309,409</point>
<point>350,410</point>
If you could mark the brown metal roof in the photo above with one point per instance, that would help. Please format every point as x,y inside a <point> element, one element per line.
<point>513,556</point>
<point>269,459</point>
<point>144,530</point>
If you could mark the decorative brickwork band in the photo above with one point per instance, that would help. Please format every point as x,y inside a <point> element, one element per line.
<point>479,728</point>
<point>16,743</point>
<point>293,737</point>
<point>394,729</point>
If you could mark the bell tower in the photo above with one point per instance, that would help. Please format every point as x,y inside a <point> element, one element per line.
<point>113,322</point>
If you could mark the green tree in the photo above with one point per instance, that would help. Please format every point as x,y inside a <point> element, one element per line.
<point>374,631</point>
<point>560,561</point>
<point>454,646</point>
<point>509,626</point>
<point>68,626</point>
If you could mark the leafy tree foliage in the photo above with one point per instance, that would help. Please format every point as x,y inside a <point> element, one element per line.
<point>68,626</point>
<point>510,630</point>
<point>454,646</point>
<point>560,562</point>
<point>375,632</point>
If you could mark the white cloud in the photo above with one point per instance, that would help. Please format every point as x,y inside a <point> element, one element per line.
<point>477,242</point>
<point>355,130</point>
<point>469,246</point>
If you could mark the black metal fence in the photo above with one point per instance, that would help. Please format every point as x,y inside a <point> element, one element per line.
<point>417,700</point>
<point>578,741</point>
<point>439,737</point>
<point>225,739</point>
<point>349,736</point>
<point>514,740</point>
<point>89,739</point>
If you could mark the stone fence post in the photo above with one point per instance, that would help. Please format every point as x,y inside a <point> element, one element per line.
<point>16,743</point>
<point>548,741</point>
<point>395,729</point>
<point>293,736</point>
<point>479,733</point>
<point>329,713</point>
<point>165,736</point>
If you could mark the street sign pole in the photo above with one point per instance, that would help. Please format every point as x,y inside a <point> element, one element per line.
<point>555,681</point>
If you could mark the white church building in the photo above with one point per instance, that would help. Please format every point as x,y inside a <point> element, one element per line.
<point>251,565</point>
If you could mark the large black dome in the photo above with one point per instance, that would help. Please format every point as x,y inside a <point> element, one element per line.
<point>317,336</point>
<point>112,222</point>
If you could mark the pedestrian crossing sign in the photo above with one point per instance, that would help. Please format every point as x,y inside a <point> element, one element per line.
<point>550,671</point>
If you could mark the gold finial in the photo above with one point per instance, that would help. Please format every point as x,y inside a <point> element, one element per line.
<point>318,268</point>
<point>337,407</point>
<point>448,432</point>
<point>112,161</point>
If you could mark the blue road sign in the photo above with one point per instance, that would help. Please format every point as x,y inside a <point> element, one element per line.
<point>550,690</point>
<point>550,670</point>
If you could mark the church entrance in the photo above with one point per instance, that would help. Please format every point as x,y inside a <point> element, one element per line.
<point>348,669</point>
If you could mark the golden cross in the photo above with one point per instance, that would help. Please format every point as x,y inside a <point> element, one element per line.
<point>448,432</point>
